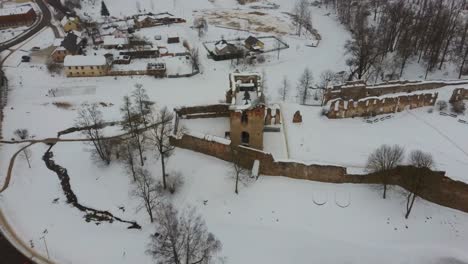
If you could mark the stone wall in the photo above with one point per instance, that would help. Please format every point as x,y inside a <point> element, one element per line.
<point>203,111</point>
<point>459,95</point>
<point>374,106</point>
<point>436,187</point>
<point>359,90</point>
<point>268,165</point>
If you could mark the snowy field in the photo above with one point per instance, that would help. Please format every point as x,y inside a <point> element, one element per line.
<point>273,220</point>
<point>274,214</point>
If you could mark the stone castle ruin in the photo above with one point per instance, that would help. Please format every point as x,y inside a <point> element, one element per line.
<point>249,116</point>
<point>240,106</point>
<point>357,99</point>
<point>356,90</point>
<point>375,106</point>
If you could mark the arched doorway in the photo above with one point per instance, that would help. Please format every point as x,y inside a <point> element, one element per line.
<point>245,138</point>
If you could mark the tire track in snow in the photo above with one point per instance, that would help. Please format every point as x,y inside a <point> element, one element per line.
<point>453,143</point>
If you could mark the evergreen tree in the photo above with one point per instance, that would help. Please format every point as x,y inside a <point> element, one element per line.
<point>104,10</point>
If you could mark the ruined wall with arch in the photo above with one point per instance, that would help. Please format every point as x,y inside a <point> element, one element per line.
<point>437,188</point>
<point>358,89</point>
<point>376,106</point>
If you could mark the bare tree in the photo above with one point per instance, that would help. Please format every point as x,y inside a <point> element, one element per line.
<point>195,59</point>
<point>182,238</point>
<point>142,103</point>
<point>239,173</point>
<point>90,118</point>
<point>159,136</point>
<point>201,25</point>
<point>305,82</point>
<point>420,160</point>
<point>146,189</point>
<point>126,151</point>
<point>23,133</point>
<point>27,156</point>
<point>284,89</point>
<point>130,123</point>
<point>384,159</point>
<point>327,77</point>
<point>302,14</point>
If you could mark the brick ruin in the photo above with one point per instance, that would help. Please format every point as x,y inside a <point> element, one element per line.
<point>252,121</point>
<point>356,90</point>
<point>459,94</point>
<point>436,188</point>
<point>375,106</point>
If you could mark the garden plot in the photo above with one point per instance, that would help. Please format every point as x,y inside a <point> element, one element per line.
<point>249,20</point>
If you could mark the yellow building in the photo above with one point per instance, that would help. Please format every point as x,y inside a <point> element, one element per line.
<point>254,44</point>
<point>85,66</point>
<point>71,24</point>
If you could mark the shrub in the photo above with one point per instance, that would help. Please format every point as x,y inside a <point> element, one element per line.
<point>54,67</point>
<point>441,105</point>
<point>260,58</point>
<point>174,181</point>
<point>458,107</point>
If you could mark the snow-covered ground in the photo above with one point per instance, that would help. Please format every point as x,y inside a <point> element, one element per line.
<point>11,33</point>
<point>273,220</point>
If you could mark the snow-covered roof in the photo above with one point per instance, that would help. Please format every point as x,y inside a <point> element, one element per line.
<point>112,40</point>
<point>57,42</point>
<point>15,10</point>
<point>143,18</point>
<point>80,60</point>
<point>66,19</point>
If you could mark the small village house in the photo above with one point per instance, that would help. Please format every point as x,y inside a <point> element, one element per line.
<point>144,21</point>
<point>71,24</point>
<point>112,42</point>
<point>85,66</point>
<point>70,45</point>
<point>254,44</point>
<point>223,47</point>
<point>17,15</point>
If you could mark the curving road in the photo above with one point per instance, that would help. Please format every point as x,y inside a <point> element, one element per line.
<point>8,252</point>
<point>45,20</point>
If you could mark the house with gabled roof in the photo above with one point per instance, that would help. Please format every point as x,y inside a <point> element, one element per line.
<point>70,45</point>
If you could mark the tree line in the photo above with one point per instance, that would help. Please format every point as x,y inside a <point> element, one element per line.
<point>388,34</point>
